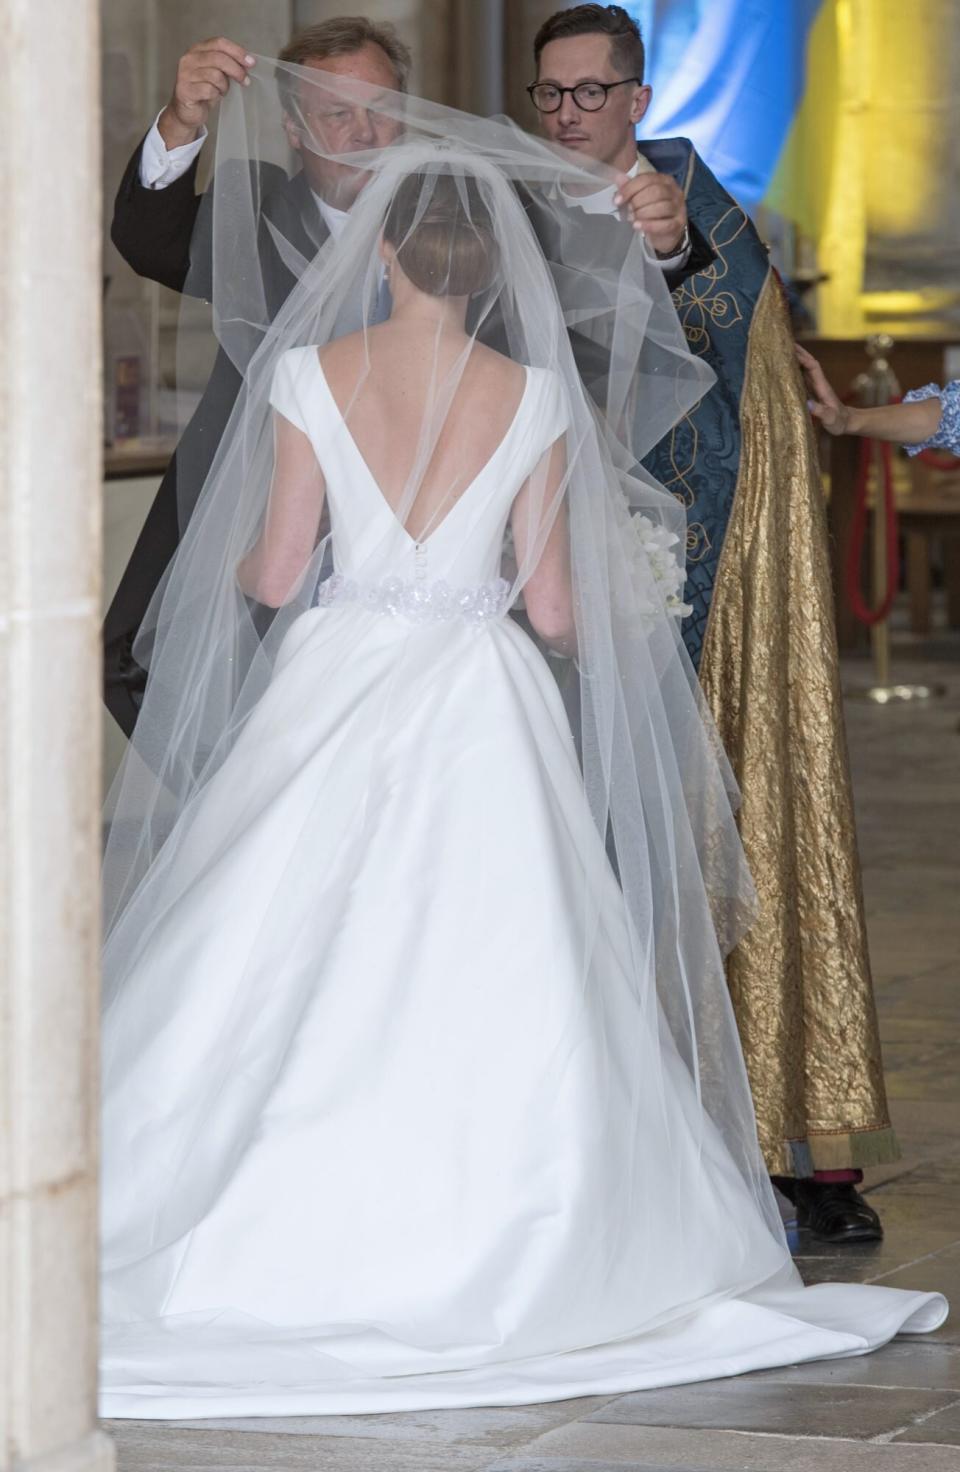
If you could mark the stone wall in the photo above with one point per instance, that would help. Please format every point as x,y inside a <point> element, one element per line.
<point>50,442</point>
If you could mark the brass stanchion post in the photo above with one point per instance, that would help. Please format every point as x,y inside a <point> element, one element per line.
<point>878,386</point>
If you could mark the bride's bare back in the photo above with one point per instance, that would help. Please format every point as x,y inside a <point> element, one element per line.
<point>427,407</point>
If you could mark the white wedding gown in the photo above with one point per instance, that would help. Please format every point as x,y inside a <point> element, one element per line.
<point>372,1142</point>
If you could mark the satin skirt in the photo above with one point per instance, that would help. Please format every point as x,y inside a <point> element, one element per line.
<point>392,1120</point>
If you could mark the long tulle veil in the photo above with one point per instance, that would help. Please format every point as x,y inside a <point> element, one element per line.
<point>573,295</point>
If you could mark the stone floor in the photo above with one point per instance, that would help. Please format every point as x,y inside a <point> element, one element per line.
<point>894,1411</point>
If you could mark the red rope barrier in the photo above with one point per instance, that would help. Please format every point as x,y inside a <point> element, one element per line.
<point>858,603</point>
<point>939,460</point>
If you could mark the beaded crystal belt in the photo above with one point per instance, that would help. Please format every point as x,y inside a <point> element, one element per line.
<point>418,601</point>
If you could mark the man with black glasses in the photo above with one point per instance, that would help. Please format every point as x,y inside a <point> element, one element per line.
<point>590,96</point>
<point>762,633</point>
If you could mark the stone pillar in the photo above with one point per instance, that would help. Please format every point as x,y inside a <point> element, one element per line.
<point>479,64</point>
<point>50,440</point>
<point>522,19</point>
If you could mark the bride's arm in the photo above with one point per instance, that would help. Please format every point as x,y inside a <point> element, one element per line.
<point>541,531</point>
<point>273,569</point>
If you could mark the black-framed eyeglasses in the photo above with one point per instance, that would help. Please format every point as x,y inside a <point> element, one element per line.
<point>588,96</point>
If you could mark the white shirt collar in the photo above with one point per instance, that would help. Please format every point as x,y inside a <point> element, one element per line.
<point>601,203</point>
<point>334,219</point>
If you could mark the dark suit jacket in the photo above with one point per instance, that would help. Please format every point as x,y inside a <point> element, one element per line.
<point>167,236</point>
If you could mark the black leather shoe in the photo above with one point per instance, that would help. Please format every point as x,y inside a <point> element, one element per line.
<point>835,1212</point>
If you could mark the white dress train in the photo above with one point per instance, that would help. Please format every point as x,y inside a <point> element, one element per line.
<point>372,1141</point>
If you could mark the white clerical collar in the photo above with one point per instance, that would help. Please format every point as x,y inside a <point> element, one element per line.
<point>601,203</point>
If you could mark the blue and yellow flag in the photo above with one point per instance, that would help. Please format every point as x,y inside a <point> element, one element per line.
<point>731,75</point>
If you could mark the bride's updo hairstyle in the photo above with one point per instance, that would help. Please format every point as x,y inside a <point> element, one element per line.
<point>442,233</point>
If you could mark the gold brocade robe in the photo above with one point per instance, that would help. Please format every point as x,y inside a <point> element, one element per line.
<point>761,633</point>
<point>800,979</point>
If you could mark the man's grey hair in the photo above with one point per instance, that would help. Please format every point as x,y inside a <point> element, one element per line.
<point>343,35</point>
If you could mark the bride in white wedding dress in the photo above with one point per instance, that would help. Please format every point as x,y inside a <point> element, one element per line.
<point>413,1098</point>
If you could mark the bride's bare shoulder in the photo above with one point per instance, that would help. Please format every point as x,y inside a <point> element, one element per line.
<point>343,360</point>
<point>500,371</point>
<point>342,351</point>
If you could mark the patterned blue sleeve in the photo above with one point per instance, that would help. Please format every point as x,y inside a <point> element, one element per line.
<point>947,436</point>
